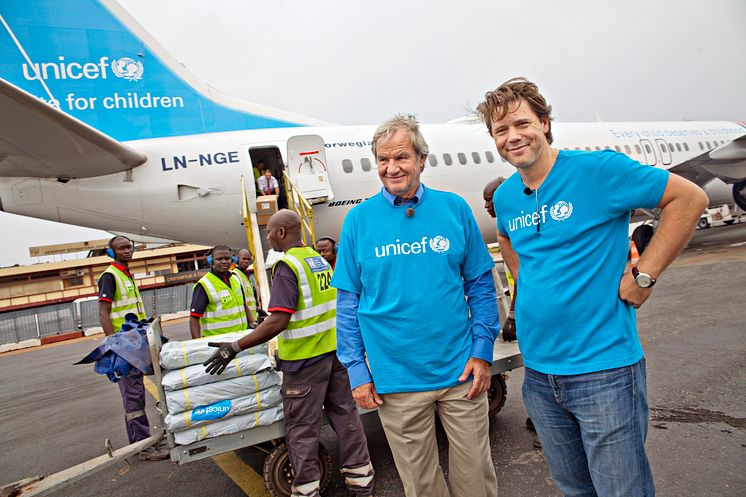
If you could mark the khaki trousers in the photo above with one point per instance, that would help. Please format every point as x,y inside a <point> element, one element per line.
<point>408,420</point>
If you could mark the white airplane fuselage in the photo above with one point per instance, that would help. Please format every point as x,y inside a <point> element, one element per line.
<point>190,187</point>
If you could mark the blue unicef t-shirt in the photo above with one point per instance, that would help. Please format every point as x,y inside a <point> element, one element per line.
<point>409,273</point>
<point>571,237</point>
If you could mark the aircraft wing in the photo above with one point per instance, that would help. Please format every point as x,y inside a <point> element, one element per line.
<point>727,162</point>
<point>40,141</point>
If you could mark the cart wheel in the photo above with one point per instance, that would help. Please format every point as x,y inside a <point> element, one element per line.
<point>278,473</point>
<point>497,394</point>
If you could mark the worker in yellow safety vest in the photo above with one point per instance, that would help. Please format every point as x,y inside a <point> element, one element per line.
<point>241,271</point>
<point>118,296</point>
<point>218,303</point>
<point>303,313</point>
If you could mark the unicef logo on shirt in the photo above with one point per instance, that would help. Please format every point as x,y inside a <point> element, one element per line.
<point>561,210</point>
<point>439,244</point>
<point>127,68</point>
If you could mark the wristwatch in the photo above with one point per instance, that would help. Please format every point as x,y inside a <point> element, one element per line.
<point>643,280</point>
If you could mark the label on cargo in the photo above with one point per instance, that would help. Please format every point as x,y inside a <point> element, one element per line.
<point>211,411</point>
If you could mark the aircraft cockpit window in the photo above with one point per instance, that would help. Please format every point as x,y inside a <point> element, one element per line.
<point>489,156</point>
<point>475,157</point>
<point>627,149</point>
<point>433,160</point>
<point>461,158</point>
<point>365,164</point>
<point>638,150</point>
<point>347,165</point>
<point>447,159</point>
<point>686,146</point>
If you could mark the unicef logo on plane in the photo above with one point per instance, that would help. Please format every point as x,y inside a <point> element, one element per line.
<point>440,244</point>
<point>561,210</point>
<point>127,68</point>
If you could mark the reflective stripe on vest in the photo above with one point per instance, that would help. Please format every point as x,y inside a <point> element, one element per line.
<point>126,298</point>
<point>312,330</point>
<point>224,312</point>
<point>248,291</point>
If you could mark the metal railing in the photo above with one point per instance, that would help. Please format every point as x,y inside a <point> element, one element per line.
<point>255,246</point>
<point>298,204</point>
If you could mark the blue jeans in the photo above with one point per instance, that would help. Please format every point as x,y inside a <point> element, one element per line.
<point>592,428</point>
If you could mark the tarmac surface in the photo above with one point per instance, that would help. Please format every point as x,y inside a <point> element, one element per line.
<point>54,415</point>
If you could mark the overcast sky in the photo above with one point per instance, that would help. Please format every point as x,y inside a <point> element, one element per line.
<point>360,62</point>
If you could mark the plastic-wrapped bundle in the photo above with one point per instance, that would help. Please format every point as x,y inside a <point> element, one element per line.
<point>188,398</point>
<point>262,400</point>
<point>230,425</point>
<point>195,375</point>
<point>175,355</point>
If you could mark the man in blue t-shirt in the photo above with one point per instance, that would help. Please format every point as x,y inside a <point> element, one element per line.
<point>407,258</point>
<point>562,224</point>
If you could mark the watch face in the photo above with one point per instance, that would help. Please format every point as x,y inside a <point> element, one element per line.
<point>644,280</point>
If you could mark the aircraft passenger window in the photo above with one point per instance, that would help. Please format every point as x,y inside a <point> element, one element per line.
<point>708,144</point>
<point>447,159</point>
<point>627,149</point>
<point>617,148</point>
<point>489,156</point>
<point>597,147</point>
<point>588,148</point>
<point>638,149</point>
<point>365,163</point>
<point>678,147</point>
<point>648,149</point>
<point>475,157</point>
<point>347,165</point>
<point>701,147</point>
<point>686,146</point>
<point>663,147</point>
<point>461,158</point>
<point>433,160</point>
<point>578,148</point>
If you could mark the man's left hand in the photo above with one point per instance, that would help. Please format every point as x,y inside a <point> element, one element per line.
<point>217,363</point>
<point>482,377</point>
<point>631,293</point>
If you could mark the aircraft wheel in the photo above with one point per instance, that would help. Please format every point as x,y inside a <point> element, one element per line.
<point>497,394</point>
<point>278,473</point>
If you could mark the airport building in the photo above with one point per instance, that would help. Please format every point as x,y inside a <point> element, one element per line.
<point>23,287</point>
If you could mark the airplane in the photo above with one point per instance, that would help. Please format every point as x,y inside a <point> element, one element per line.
<point>103,128</point>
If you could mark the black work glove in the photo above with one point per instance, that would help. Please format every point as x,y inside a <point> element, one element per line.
<point>508,331</point>
<point>221,358</point>
<point>262,315</point>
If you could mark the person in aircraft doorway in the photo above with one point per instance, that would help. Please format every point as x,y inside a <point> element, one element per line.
<point>327,247</point>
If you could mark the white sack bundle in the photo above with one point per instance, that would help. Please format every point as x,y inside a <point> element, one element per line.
<point>230,425</point>
<point>175,354</point>
<point>202,415</point>
<point>187,399</point>
<point>195,375</point>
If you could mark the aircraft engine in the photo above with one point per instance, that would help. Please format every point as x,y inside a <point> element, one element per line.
<point>739,194</point>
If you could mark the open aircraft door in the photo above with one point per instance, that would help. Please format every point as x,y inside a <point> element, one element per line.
<point>307,168</point>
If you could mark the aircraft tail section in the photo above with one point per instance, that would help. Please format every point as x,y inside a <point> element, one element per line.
<point>93,61</point>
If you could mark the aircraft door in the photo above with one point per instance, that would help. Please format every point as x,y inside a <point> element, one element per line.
<point>665,150</point>
<point>307,168</point>
<point>648,151</point>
